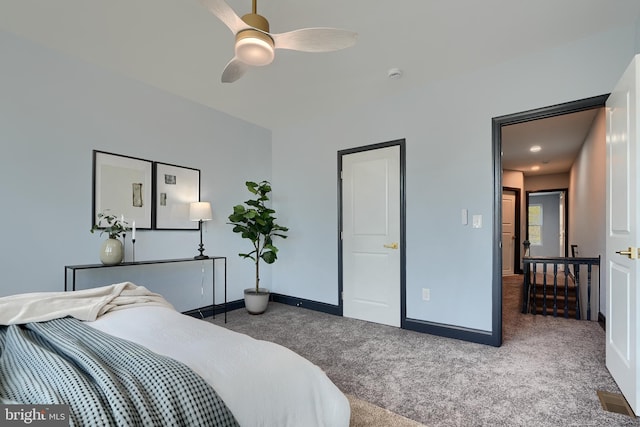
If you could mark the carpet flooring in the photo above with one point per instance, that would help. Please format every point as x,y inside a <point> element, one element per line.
<point>547,372</point>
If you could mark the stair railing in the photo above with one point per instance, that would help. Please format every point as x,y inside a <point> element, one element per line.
<point>530,284</point>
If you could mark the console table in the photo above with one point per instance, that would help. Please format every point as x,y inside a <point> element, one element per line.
<point>213,259</point>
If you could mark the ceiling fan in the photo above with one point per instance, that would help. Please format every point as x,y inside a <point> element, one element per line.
<point>255,45</point>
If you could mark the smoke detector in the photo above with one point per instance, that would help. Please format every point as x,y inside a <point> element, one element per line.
<point>394,73</point>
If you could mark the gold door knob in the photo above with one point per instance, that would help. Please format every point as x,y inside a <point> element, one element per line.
<point>632,252</point>
<point>391,246</point>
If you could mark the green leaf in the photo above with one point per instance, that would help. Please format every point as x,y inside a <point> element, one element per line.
<point>265,187</point>
<point>269,257</point>
<point>251,186</point>
<point>239,229</point>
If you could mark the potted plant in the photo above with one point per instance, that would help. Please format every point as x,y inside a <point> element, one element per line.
<point>111,251</point>
<point>256,222</point>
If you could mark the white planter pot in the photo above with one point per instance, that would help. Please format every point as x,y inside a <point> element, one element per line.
<point>111,252</point>
<point>256,302</point>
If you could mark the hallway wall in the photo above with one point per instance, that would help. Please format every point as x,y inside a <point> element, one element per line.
<point>587,220</point>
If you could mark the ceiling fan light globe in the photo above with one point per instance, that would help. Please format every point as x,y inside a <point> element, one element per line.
<point>254,48</point>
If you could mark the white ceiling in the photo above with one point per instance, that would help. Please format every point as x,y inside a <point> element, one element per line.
<point>560,139</point>
<point>178,46</point>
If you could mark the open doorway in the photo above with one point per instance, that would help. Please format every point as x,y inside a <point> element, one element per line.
<point>547,223</point>
<point>511,218</point>
<point>515,178</point>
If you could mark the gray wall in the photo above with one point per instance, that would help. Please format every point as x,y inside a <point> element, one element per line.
<point>587,206</point>
<point>546,182</point>
<point>638,36</point>
<point>53,112</point>
<point>447,126</point>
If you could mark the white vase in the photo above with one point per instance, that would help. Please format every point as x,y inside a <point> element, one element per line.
<point>111,252</point>
<point>256,302</point>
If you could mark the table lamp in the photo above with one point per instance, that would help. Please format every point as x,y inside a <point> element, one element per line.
<point>200,211</point>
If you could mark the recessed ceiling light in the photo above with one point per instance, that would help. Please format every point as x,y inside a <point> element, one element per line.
<point>535,148</point>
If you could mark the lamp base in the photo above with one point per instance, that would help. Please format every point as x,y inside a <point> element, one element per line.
<point>201,246</point>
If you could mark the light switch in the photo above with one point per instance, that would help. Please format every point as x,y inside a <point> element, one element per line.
<point>465,217</point>
<point>477,221</point>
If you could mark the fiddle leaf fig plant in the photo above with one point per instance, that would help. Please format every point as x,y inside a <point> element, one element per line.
<point>256,222</point>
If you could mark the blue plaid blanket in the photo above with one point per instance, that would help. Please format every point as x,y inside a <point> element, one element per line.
<point>105,380</point>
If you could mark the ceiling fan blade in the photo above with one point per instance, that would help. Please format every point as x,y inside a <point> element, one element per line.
<point>223,12</point>
<point>234,70</point>
<point>315,39</point>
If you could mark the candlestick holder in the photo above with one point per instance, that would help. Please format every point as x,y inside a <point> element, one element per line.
<point>124,247</point>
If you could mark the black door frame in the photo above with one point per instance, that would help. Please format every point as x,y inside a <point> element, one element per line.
<point>497,124</point>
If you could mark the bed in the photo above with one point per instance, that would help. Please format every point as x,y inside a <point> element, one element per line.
<point>261,383</point>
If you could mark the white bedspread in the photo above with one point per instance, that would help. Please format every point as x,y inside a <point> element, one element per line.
<point>262,383</point>
<point>87,304</point>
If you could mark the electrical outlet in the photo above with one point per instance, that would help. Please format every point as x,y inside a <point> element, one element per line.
<point>426,294</point>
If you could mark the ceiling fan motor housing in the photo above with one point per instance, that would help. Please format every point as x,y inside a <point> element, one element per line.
<point>255,47</point>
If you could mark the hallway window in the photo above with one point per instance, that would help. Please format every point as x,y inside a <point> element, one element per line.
<point>535,224</point>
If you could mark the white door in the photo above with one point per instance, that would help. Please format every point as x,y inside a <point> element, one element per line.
<point>622,234</point>
<point>508,231</point>
<point>371,235</point>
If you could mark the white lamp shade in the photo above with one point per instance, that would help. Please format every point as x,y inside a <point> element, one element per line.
<point>200,211</point>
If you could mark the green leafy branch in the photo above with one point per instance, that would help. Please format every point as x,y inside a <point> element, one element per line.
<point>114,226</point>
